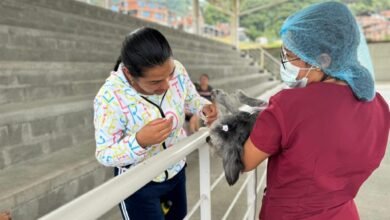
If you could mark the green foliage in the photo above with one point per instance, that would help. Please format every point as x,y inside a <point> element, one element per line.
<point>226,4</point>
<point>212,16</point>
<point>181,7</point>
<point>369,6</point>
<point>267,22</point>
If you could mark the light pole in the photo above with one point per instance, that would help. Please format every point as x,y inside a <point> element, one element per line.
<point>236,23</point>
<point>195,12</point>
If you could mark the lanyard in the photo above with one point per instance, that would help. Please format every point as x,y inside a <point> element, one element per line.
<point>163,116</point>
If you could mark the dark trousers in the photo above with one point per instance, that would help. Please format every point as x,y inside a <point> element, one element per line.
<point>145,204</point>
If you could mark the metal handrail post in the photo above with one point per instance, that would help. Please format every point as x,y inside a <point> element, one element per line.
<point>204,181</point>
<point>251,194</point>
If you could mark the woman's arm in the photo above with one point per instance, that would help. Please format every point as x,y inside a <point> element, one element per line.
<point>252,156</point>
<point>265,138</point>
<point>113,146</point>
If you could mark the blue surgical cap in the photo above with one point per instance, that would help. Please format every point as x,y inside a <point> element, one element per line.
<point>364,56</point>
<point>326,35</point>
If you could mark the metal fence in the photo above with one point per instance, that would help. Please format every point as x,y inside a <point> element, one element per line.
<point>92,204</point>
<point>265,60</point>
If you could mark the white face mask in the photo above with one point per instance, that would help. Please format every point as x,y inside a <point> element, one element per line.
<point>290,74</point>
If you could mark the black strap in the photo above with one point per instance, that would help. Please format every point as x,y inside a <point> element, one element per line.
<point>158,106</point>
<point>163,116</point>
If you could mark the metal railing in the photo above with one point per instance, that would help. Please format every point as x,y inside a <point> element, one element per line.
<point>264,60</point>
<point>92,204</point>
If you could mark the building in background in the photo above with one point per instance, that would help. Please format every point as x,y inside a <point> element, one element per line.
<point>376,27</point>
<point>157,11</point>
<point>153,11</point>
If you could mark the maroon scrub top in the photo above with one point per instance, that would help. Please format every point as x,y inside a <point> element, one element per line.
<point>324,144</point>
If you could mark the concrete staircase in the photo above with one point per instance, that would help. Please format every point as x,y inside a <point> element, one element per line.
<point>54,55</point>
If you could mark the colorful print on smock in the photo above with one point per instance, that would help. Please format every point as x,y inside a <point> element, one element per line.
<point>120,112</point>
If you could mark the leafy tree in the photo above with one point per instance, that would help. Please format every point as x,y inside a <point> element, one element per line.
<point>267,22</point>
<point>369,6</point>
<point>212,16</point>
<point>260,23</point>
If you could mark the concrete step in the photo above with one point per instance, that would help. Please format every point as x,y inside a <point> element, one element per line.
<point>217,72</point>
<point>44,73</point>
<point>44,54</point>
<point>98,14</point>
<point>32,38</point>
<point>57,46</point>
<point>239,78</point>
<point>32,130</point>
<point>29,111</point>
<point>199,59</point>
<point>24,82</point>
<point>15,13</point>
<point>88,26</point>
<point>190,57</point>
<point>257,90</point>
<point>24,74</point>
<point>46,143</point>
<point>231,84</point>
<point>24,93</point>
<point>12,36</point>
<point>34,188</point>
<point>73,55</point>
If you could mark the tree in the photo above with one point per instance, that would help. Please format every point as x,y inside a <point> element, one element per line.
<point>268,22</point>
<point>360,7</point>
<point>212,16</point>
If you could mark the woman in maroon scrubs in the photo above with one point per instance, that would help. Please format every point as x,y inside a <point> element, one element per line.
<point>325,135</point>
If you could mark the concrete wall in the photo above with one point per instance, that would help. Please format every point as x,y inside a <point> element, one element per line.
<point>380,54</point>
<point>55,55</point>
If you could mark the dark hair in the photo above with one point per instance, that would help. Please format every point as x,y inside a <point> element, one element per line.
<point>205,75</point>
<point>118,62</point>
<point>142,49</point>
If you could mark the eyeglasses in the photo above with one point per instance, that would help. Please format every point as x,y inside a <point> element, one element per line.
<point>283,57</point>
